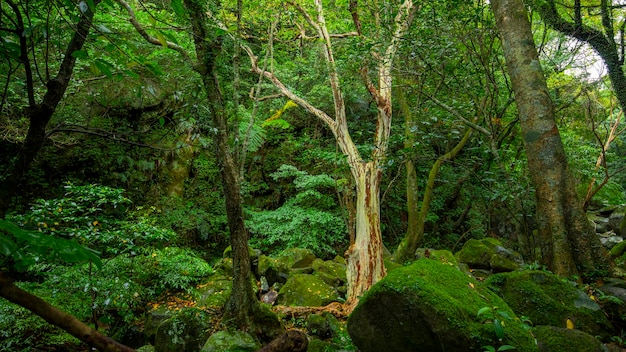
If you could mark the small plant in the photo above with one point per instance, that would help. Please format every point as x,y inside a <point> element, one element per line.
<point>496,317</point>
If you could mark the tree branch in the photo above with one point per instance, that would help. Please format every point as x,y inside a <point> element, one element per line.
<point>148,37</point>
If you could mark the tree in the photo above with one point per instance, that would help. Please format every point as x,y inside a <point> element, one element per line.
<point>568,243</point>
<point>37,113</point>
<point>365,264</point>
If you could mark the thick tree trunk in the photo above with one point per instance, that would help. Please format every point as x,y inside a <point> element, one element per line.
<point>58,317</point>
<point>40,114</point>
<point>568,244</point>
<point>365,255</point>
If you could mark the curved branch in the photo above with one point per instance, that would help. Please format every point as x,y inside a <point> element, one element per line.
<point>148,37</point>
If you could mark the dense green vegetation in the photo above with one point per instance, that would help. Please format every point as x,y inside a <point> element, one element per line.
<point>115,202</point>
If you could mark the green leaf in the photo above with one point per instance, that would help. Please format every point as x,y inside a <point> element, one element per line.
<point>483,311</point>
<point>162,39</point>
<point>506,348</point>
<point>7,246</point>
<point>498,328</point>
<point>179,10</point>
<point>80,54</point>
<point>104,67</point>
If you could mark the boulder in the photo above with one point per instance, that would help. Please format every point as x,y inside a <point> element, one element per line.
<point>184,332</point>
<point>235,341</point>
<point>553,339</point>
<point>214,291</point>
<point>306,290</point>
<point>154,318</point>
<point>616,221</point>
<point>547,299</point>
<point>273,270</point>
<point>295,258</point>
<point>488,253</point>
<point>330,272</point>
<point>434,306</point>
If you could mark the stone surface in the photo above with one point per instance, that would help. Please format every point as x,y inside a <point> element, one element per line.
<point>547,299</point>
<point>232,341</point>
<point>306,290</point>
<point>434,306</point>
<point>184,332</point>
<point>553,339</point>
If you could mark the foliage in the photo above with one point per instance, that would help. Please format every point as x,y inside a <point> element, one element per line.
<point>309,219</point>
<point>94,216</point>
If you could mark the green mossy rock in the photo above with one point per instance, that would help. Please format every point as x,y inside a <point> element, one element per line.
<point>444,256</point>
<point>547,299</point>
<point>553,339</point>
<point>488,253</point>
<point>431,306</point>
<point>185,332</point>
<point>231,341</point>
<point>306,290</point>
<point>272,269</point>
<point>294,258</point>
<point>146,348</point>
<point>154,319</point>
<point>618,250</point>
<point>214,292</point>
<point>330,272</point>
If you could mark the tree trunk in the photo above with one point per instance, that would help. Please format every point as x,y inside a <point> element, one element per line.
<point>568,244</point>
<point>39,115</point>
<point>242,308</point>
<point>365,264</point>
<point>408,245</point>
<point>58,317</point>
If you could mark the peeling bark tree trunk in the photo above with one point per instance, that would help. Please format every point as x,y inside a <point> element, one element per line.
<point>568,244</point>
<point>365,260</point>
<point>58,317</point>
<point>365,256</point>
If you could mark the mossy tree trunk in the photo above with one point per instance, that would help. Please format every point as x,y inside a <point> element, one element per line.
<point>57,317</point>
<point>569,245</point>
<point>408,245</point>
<point>242,305</point>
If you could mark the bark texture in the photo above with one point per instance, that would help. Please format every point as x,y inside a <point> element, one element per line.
<point>568,243</point>
<point>242,308</point>
<point>57,317</point>
<point>39,114</point>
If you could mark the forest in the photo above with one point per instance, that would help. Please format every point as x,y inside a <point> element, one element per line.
<point>312,175</point>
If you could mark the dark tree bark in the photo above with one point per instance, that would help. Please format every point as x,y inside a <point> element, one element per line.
<point>568,243</point>
<point>58,317</point>
<point>242,307</point>
<point>39,114</point>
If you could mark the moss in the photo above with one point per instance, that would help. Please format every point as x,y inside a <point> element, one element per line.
<point>444,256</point>
<point>476,254</point>
<point>618,249</point>
<point>434,296</point>
<point>553,339</point>
<point>546,299</point>
<point>306,290</point>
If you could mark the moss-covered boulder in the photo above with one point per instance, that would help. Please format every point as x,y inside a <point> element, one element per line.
<point>488,253</point>
<point>146,348</point>
<point>547,299</point>
<point>273,270</point>
<point>214,291</point>
<point>295,258</point>
<point>185,332</point>
<point>330,272</point>
<point>553,339</point>
<point>154,318</point>
<point>232,341</point>
<point>306,290</point>
<point>431,306</point>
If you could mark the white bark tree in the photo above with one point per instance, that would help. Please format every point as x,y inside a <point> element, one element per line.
<point>365,255</point>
